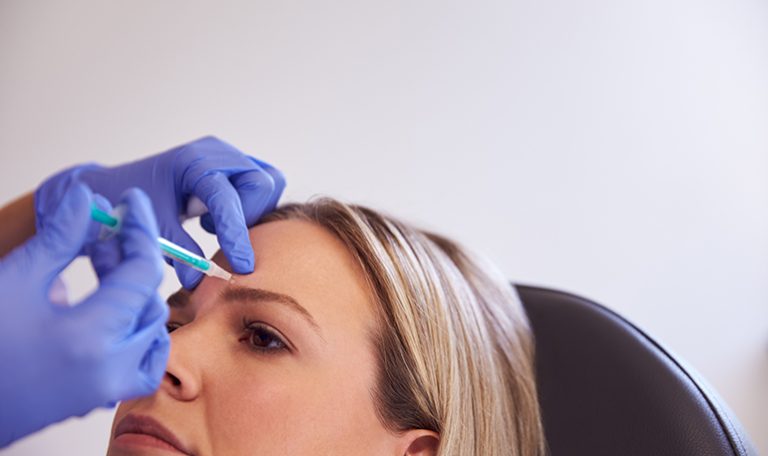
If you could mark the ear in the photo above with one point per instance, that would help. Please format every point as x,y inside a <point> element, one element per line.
<point>418,442</point>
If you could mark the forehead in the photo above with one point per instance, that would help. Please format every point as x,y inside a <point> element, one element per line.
<point>290,247</point>
<point>306,261</point>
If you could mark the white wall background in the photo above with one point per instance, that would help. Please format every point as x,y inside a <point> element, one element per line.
<point>617,149</point>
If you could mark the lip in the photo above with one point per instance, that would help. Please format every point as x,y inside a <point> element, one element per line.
<point>146,425</point>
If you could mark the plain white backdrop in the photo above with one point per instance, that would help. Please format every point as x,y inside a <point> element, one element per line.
<point>615,149</point>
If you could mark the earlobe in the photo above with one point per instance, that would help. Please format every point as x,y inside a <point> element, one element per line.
<point>420,442</point>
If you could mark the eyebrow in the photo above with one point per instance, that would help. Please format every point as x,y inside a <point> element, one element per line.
<point>232,293</point>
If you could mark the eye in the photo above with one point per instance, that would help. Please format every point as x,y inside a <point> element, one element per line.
<point>261,338</point>
<point>172,326</point>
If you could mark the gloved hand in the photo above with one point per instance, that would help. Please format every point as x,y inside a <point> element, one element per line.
<point>60,361</point>
<point>235,188</point>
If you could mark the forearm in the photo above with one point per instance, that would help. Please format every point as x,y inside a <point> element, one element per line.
<point>17,223</point>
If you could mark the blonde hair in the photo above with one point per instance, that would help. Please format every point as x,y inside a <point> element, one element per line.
<point>455,350</point>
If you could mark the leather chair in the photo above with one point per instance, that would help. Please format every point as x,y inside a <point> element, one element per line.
<point>607,388</point>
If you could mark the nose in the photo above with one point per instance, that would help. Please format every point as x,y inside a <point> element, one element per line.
<point>182,379</point>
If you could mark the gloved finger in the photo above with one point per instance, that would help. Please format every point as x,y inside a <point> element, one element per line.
<point>145,354</point>
<point>126,288</point>
<point>225,208</point>
<point>153,363</point>
<point>105,256</point>
<point>279,182</point>
<point>206,221</point>
<point>255,190</point>
<point>189,277</point>
<point>259,192</point>
<point>207,156</point>
<point>104,253</point>
<point>155,310</point>
<point>59,240</point>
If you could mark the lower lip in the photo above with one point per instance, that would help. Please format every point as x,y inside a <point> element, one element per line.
<point>131,440</point>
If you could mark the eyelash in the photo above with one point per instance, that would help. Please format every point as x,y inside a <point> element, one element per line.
<point>252,329</point>
<point>172,326</point>
<point>257,329</point>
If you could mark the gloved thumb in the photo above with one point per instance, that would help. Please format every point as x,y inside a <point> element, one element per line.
<point>60,239</point>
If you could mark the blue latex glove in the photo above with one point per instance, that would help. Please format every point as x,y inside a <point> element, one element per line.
<point>235,188</point>
<point>61,361</point>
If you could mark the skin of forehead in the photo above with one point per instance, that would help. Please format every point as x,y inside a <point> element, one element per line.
<point>287,250</point>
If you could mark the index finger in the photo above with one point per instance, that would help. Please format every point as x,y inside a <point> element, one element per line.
<point>226,210</point>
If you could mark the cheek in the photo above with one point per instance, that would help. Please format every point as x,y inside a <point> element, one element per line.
<point>258,408</point>
<point>254,391</point>
<point>298,409</point>
<point>338,409</point>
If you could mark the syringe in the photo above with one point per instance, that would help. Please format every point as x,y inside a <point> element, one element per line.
<point>169,249</point>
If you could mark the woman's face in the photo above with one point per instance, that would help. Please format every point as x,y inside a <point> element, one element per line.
<point>278,362</point>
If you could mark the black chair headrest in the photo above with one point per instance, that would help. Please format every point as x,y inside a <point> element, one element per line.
<point>606,388</point>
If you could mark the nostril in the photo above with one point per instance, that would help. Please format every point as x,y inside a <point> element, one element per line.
<point>174,379</point>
